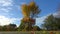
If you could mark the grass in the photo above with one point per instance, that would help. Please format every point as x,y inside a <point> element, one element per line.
<point>30,32</point>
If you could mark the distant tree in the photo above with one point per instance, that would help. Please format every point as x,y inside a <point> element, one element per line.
<point>10,27</point>
<point>52,23</point>
<point>49,22</point>
<point>4,28</point>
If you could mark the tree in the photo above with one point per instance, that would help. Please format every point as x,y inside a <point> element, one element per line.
<point>36,28</point>
<point>10,27</point>
<point>4,28</point>
<point>52,23</point>
<point>29,12</point>
<point>1,28</point>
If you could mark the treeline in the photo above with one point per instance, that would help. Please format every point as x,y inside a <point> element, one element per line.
<point>10,27</point>
<point>13,27</point>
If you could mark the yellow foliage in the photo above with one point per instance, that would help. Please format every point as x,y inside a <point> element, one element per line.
<point>29,9</point>
<point>25,10</point>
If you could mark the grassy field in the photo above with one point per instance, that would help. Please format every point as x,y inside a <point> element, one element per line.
<point>32,32</point>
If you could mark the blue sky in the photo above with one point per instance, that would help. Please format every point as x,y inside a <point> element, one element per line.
<point>10,10</point>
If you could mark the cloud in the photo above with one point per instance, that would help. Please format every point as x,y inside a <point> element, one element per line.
<point>5,5</point>
<point>40,20</point>
<point>57,14</point>
<point>5,21</point>
<point>4,10</point>
<point>5,2</point>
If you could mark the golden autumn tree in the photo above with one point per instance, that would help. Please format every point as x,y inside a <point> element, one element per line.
<point>29,11</point>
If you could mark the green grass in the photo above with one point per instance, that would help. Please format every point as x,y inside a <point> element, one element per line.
<point>30,32</point>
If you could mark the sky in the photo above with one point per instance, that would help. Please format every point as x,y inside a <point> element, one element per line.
<point>10,10</point>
